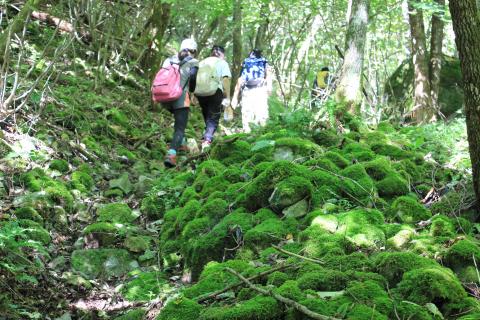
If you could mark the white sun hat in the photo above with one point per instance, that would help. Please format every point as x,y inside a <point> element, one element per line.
<point>189,44</point>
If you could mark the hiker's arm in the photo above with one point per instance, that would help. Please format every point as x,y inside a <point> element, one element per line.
<point>192,83</point>
<point>226,87</point>
<point>236,92</point>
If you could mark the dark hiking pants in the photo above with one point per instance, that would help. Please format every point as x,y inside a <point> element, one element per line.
<point>212,110</point>
<point>181,119</point>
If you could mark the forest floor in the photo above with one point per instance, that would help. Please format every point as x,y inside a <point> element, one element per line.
<point>371,223</point>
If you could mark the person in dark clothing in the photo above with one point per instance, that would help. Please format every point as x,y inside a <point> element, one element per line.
<point>180,107</point>
<point>213,91</point>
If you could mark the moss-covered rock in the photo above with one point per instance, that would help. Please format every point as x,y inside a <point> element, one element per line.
<point>357,184</point>
<point>102,263</point>
<point>59,165</point>
<point>370,293</point>
<point>260,307</point>
<point>35,231</point>
<point>82,181</point>
<point>105,233</point>
<point>407,310</point>
<point>294,148</point>
<point>322,279</point>
<point>137,244</point>
<point>180,309</point>
<point>116,213</point>
<point>233,152</point>
<point>393,265</point>
<point>408,210</point>
<point>289,192</point>
<point>392,185</point>
<point>266,233</point>
<point>442,226</point>
<point>431,284</point>
<point>28,213</point>
<point>326,138</point>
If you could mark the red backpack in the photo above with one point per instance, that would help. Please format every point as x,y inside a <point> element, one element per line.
<point>166,85</point>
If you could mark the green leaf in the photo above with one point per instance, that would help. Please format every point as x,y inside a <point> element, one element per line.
<point>262,144</point>
<point>434,310</point>
<point>123,183</point>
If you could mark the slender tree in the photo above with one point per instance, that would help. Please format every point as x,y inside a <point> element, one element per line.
<point>349,87</point>
<point>422,106</point>
<point>435,67</point>
<point>158,23</point>
<point>466,25</point>
<point>237,40</point>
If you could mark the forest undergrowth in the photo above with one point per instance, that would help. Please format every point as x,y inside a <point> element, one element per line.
<point>293,221</point>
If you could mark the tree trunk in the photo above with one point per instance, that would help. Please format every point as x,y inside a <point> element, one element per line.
<point>466,25</point>
<point>262,29</point>
<point>436,56</point>
<point>422,106</point>
<point>17,24</point>
<point>349,85</point>
<point>237,41</point>
<point>159,22</point>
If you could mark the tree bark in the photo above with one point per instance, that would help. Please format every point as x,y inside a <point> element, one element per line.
<point>349,85</point>
<point>17,24</point>
<point>422,106</point>
<point>466,25</point>
<point>237,41</point>
<point>435,66</point>
<point>262,29</point>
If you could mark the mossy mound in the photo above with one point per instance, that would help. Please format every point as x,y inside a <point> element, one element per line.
<point>181,308</point>
<point>409,210</point>
<point>257,308</point>
<point>145,287</point>
<point>116,213</point>
<point>102,263</point>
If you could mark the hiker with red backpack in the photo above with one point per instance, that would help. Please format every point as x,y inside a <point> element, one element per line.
<point>171,86</point>
<point>252,90</point>
<point>213,91</point>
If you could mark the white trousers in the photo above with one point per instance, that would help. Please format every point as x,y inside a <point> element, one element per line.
<point>254,107</point>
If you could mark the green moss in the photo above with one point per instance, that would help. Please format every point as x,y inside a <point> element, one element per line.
<point>371,294</point>
<point>214,184</point>
<point>102,263</point>
<point>35,180</point>
<point>135,314</point>
<point>356,261</point>
<point>325,164</point>
<point>145,287</point>
<point>180,309</point>
<point>317,242</point>
<point>59,165</point>
<point>462,253</point>
<point>401,238</point>
<point>357,184</point>
<point>188,194</point>
<point>210,168</point>
<point>196,227</point>
<point>116,213</point>
<point>337,159</point>
<point>450,203</point>
<point>28,213</point>
<point>299,147</point>
<point>277,278</point>
<point>363,312</point>
<point>407,310</point>
<point>386,127</point>
<point>361,228</point>
<point>374,137</point>
<point>260,307</point>
<point>290,289</point>
<point>264,214</point>
<point>59,195</point>
<point>432,284</point>
<point>82,181</point>
<point>266,233</point>
<point>35,231</point>
<point>442,226</point>
<point>408,210</point>
<point>214,277</point>
<point>106,233</point>
<point>379,168</point>
<point>214,209</point>
<point>258,191</point>
<point>466,305</point>
<point>322,280</point>
<point>290,191</point>
<point>392,265</point>
<point>232,152</point>
<point>391,151</point>
<point>137,244</point>
<point>326,138</point>
<point>392,185</point>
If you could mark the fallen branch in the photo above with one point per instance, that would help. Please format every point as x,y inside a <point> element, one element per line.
<point>238,284</point>
<point>289,302</point>
<point>144,139</point>
<point>83,152</point>
<point>297,255</point>
<point>62,25</point>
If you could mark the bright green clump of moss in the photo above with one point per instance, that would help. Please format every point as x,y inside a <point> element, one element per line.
<point>260,307</point>
<point>290,191</point>
<point>406,310</point>
<point>337,159</point>
<point>136,314</point>
<point>196,227</point>
<point>378,168</point>
<point>363,312</point>
<point>188,194</point>
<point>28,213</point>
<point>431,284</point>
<point>277,278</point>
<point>290,289</point>
<point>180,309</point>
<point>35,180</point>
<point>371,294</point>
<point>391,151</point>
<point>145,287</point>
<point>137,244</point>
<point>116,213</point>
<point>357,184</point>
<point>462,253</point>
<point>392,185</point>
<point>299,147</point>
<point>326,138</point>
<point>442,226</point>
<point>267,232</point>
<point>214,209</point>
<point>60,195</point>
<point>232,152</point>
<point>408,210</point>
<point>82,181</point>
<point>392,265</point>
<point>323,280</point>
<point>59,165</point>
<point>106,233</point>
<point>35,231</point>
<point>361,228</point>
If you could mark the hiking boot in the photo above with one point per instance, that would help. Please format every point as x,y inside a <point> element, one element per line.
<point>206,145</point>
<point>170,160</point>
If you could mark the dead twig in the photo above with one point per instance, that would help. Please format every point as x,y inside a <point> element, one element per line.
<point>289,302</point>
<point>297,255</point>
<point>238,284</point>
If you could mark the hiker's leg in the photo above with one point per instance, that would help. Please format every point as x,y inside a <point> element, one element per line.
<point>262,112</point>
<point>181,119</point>
<point>213,114</point>
<point>248,109</point>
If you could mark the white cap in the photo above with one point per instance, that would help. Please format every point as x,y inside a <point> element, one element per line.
<point>189,44</point>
